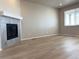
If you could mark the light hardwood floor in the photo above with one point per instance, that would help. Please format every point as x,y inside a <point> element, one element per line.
<point>57,47</point>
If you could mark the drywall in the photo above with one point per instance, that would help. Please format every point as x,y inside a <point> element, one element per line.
<point>38,20</point>
<point>70,30</point>
<point>11,8</point>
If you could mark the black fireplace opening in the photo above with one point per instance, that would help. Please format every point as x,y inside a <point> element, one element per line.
<point>12,31</point>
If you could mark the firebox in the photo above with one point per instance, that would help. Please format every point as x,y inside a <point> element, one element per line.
<point>12,31</point>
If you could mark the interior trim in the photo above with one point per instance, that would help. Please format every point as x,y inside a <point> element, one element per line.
<point>39,37</point>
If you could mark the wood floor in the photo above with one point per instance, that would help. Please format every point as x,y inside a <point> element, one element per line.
<point>57,47</point>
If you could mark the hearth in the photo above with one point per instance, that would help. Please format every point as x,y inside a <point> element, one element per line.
<point>12,31</point>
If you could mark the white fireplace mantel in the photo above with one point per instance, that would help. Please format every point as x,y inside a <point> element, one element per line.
<point>4,19</point>
<point>3,13</point>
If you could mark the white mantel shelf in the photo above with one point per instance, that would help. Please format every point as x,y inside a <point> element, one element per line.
<point>2,13</point>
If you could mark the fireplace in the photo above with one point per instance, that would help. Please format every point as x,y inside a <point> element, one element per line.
<point>12,31</point>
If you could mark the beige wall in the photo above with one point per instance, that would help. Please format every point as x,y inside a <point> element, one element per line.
<point>71,30</point>
<point>11,7</point>
<point>38,20</point>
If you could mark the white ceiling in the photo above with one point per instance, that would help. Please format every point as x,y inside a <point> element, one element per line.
<point>54,3</point>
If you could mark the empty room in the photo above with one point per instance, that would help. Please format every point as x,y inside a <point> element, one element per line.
<point>39,29</point>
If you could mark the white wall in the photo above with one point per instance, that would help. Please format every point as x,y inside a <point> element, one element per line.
<point>38,20</point>
<point>11,7</point>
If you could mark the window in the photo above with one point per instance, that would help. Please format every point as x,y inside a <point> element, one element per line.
<point>71,17</point>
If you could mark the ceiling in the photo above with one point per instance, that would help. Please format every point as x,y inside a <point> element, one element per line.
<point>54,3</point>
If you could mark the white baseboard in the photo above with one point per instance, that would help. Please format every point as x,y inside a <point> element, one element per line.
<point>65,34</point>
<point>39,37</point>
<point>70,35</point>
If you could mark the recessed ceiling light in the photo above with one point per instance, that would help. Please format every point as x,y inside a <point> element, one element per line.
<point>60,4</point>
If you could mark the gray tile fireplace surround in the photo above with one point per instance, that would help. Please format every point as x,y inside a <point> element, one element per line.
<point>4,43</point>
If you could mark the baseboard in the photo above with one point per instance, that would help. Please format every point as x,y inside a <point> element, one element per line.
<point>39,37</point>
<point>64,34</point>
<point>70,35</point>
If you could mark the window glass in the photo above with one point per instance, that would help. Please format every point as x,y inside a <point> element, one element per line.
<point>66,22</point>
<point>71,17</point>
<point>77,17</point>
